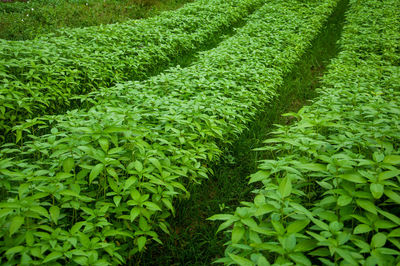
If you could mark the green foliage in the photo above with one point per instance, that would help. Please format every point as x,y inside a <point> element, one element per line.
<point>100,186</point>
<point>331,196</point>
<point>28,19</point>
<point>51,74</point>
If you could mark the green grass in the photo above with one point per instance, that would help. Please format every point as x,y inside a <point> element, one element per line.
<point>26,20</point>
<point>193,240</point>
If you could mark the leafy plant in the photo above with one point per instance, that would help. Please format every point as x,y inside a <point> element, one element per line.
<point>99,186</point>
<point>330,194</point>
<point>52,73</point>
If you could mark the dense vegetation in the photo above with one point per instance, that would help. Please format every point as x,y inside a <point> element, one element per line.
<point>330,194</point>
<point>98,184</point>
<point>22,20</point>
<point>42,76</point>
<point>101,184</point>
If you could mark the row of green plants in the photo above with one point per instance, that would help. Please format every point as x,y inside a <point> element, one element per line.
<point>101,185</point>
<point>45,75</point>
<point>24,20</point>
<point>330,192</point>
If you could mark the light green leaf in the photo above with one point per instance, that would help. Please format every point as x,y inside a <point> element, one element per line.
<point>14,250</point>
<point>285,187</point>
<point>40,210</point>
<point>388,174</point>
<point>392,159</point>
<point>259,176</point>
<point>104,144</point>
<point>297,226</point>
<point>376,190</point>
<point>300,259</point>
<point>220,217</point>
<point>16,223</point>
<point>344,200</point>
<point>354,177</point>
<point>152,206</point>
<point>237,233</point>
<point>52,256</point>
<point>366,205</point>
<point>54,213</point>
<point>240,260</point>
<point>141,242</point>
<point>95,172</point>
<point>378,240</point>
<point>156,163</point>
<point>134,213</point>
<point>138,166</point>
<point>68,165</point>
<point>362,228</point>
<point>117,200</point>
<point>392,195</point>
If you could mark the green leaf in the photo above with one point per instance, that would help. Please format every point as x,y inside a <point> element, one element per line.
<point>134,213</point>
<point>111,171</point>
<point>138,166</point>
<point>392,159</point>
<point>16,223</point>
<point>259,176</point>
<point>344,200</point>
<point>378,240</point>
<point>95,172</point>
<point>346,255</point>
<point>297,226</point>
<point>315,167</point>
<point>240,260</point>
<point>378,156</point>
<point>392,195</point>
<point>366,205</point>
<point>156,163</point>
<point>40,210</point>
<point>390,216</point>
<point>237,233</point>
<point>14,250</point>
<point>52,256</point>
<point>29,238</point>
<point>168,204</point>
<point>289,242</point>
<point>263,209</point>
<point>152,206</point>
<point>278,227</point>
<point>68,165</point>
<point>117,200</point>
<point>300,259</point>
<point>141,242</point>
<point>104,144</point>
<point>220,217</point>
<point>362,228</point>
<point>394,233</point>
<point>376,190</point>
<point>54,213</point>
<point>354,177</point>
<point>388,174</point>
<point>285,187</point>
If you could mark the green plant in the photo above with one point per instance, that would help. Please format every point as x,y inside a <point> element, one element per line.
<point>101,184</point>
<point>52,74</point>
<point>330,193</point>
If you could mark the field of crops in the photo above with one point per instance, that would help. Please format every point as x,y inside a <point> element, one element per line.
<point>106,129</point>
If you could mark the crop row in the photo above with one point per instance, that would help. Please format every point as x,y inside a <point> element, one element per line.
<point>42,76</point>
<point>102,184</point>
<point>331,194</point>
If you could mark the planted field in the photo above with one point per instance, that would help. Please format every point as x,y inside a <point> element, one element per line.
<point>99,185</point>
<point>329,195</point>
<point>49,74</point>
<point>22,20</point>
